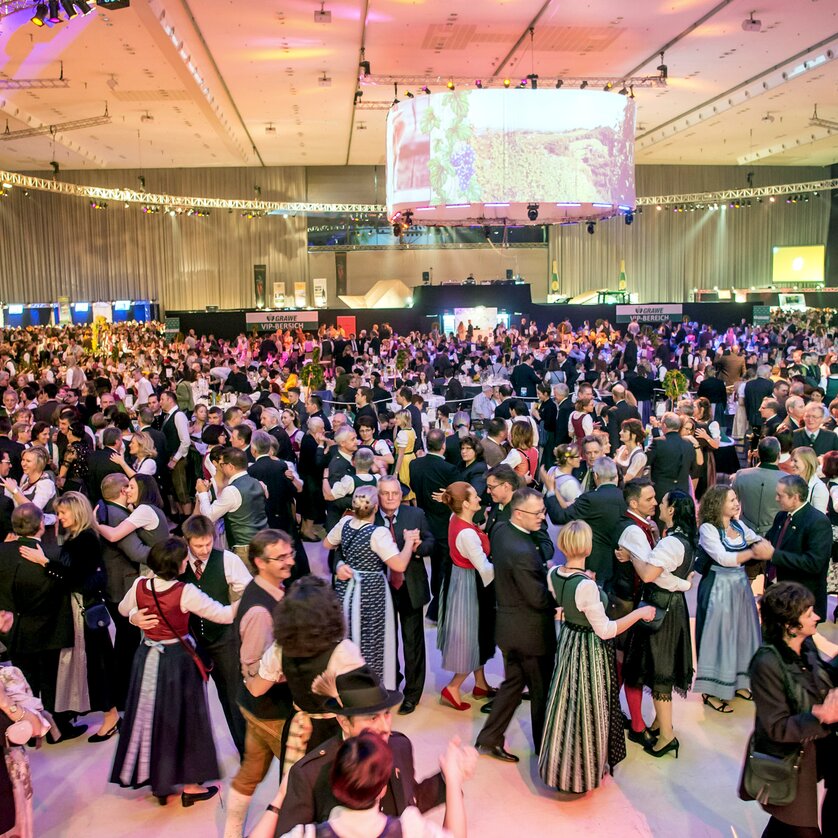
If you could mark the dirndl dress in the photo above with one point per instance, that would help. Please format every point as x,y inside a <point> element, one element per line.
<point>727,630</point>
<point>583,730</point>
<point>458,636</point>
<point>367,603</point>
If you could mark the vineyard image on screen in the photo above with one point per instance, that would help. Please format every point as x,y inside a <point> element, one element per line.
<point>492,153</point>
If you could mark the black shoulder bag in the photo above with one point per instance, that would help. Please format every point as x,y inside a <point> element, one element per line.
<point>769,779</point>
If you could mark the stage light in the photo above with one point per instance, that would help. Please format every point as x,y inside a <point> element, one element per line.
<point>532,212</point>
<point>450,84</point>
<point>631,91</point>
<point>358,95</point>
<point>478,84</point>
<point>523,83</point>
<point>40,16</point>
<point>69,8</point>
<point>608,86</point>
<point>629,218</point>
<point>583,85</point>
<point>397,230</point>
<point>507,82</point>
<point>364,65</point>
<point>772,200</point>
<point>559,83</point>
<point>426,90</point>
<point>408,95</point>
<point>591,228</point>
<point>623,91</point>
<point>53,17</point>
<point>663,69</point>
<point>533,81</point>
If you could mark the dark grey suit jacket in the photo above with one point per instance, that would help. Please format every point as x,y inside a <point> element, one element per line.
<point>122,558</point>
<point>415,577</point>
<point>756,489</point>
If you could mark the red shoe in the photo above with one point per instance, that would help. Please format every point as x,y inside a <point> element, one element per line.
<point>446,696</point>
<point>479,692</point>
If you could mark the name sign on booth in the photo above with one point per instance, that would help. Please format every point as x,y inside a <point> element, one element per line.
<point>273,320</point>
<point>648,313</point>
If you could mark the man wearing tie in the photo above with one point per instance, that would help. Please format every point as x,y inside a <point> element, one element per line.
<point>799,543</point>
<point>410,590</point>
<point>813,434</point>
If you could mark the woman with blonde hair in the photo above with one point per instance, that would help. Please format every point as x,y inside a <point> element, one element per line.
<point>141,447</point>
<point>84,674</point>
<point>583,730</point>
<point>458,637</point>
<point>368,552</point>
<point>405,445</point>
<point>35,487</point>
<point>804,462</point>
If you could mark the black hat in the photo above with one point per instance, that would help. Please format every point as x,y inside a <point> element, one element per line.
<point>360,693</point>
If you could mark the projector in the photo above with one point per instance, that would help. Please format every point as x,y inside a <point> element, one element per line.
<point>322,16</point>
<point>324,81</point>
<point>752,25</point>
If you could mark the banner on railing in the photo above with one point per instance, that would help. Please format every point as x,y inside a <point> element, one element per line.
<point>651,313</point>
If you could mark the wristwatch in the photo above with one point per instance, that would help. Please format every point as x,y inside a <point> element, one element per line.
<point>271,808</point>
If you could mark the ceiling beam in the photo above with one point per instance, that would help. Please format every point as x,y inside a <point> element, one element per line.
<point>364,13</point>
<point>526,33</point>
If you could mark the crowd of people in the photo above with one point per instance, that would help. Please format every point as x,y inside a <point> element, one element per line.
<point>158,496</point>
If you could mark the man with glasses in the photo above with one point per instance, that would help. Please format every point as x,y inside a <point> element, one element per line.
<point>525,623</point>
<point>271,553</point>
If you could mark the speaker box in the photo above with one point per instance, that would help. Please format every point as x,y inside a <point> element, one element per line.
<point>509,273</point>
<point>426,277</point>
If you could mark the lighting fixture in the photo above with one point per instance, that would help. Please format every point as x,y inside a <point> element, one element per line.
<point>591,228</point>
<point>40,16</point>
<point>751,25</point>
<point>324,80</point>
<point>629,218</point>
<point>322,16</point>
<point>583,85</point>
<point>426,90</point>
<point>408,95</point>
<point>623,91</point>
<point>559,83</point>
<point>607,86</point>
<point>364,65</point>
<point>533,77</point>
<point>53,16</point>
<point>358,95</point>
<point>532,212</point>
<point>507,82</point>
<point>450,84</point>
<point>478,84</point>
<point>663,69</point>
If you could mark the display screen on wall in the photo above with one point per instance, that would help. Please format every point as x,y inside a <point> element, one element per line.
<point>798,264</point>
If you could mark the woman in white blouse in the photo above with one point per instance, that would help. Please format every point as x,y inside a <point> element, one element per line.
<point>582,705</point>
<point>458,637</point>
<point>368,551</point>
<point>141,448</point>
<point>804,462</point>
<point>727,632</point>
<point>36,486</point>
<point>662,660</point>
<point>630,458</point>
<point>143,498</point>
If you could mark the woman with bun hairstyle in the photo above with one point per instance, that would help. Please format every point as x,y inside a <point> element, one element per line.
<point>458,637</point>
<point>368,551</point>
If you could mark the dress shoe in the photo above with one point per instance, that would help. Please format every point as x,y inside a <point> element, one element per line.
<point>486,708</point>
<point>446,697</point>
<point>188,799</point>
<point>479,692</point>
<point>672,745</point>
<point>407,707</point>
<point>498,752</point>
<point>68,733</point>
<point>103,737</point>
<point>645,737</point>
<point>526,696</point>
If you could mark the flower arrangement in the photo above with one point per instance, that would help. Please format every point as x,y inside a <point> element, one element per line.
<point>675,384</point>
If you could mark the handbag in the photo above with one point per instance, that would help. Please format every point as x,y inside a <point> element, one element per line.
<point>204,666</point>
<point>768,779</point>
<point>653,626</point>
<point>96,616</point>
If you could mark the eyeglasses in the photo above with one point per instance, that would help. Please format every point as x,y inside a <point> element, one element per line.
<point>540,512</point>
<point>282,558</point>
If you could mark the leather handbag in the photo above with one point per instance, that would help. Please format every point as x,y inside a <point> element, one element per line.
<point>96,616</point>
<point>653,626</point>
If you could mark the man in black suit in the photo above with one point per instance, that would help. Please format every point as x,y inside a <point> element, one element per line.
<point>561,394</point>
<point>461,424</point>
<point>410,590</point>
<point>799,543</point>
<point>270,423</point>
<point>813,434</point>
<point>314,409</point>
<point>145,419</point>
<point>756,390</point>
<point>13,448</point>
<point>601,508</point>
<point>43,622</point>
<point>364,406</point>
<point>282,485</point>
<point>568,367</point>
<point>670,458</point>
<point>100,464</point>
<point>526,632</point>
<point>618,414</point>
<point>428,475</point>
<point>363,705</point>
<point>770,417</point>
<point>524,378</point>
<point>630,353</point>
<point>7,506</point>
<point>505,393</point>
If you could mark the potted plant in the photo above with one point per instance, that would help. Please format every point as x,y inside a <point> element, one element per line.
<point>675,384</point>
<point>401,361</point>
<point>311,374</point>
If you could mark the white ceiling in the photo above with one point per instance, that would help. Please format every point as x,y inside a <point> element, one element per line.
<point>259,63</point>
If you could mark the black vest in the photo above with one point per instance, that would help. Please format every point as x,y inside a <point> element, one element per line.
<point>213,583</point>
<point>300,672</point>
<point>159,533</point>
<point>169,430</point>
<point>276,702</point>
<point>251,517</point>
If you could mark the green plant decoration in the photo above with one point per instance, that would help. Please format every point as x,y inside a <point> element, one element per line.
<point>312,373</point>
<point>401,360</point>
<point>675,384</point>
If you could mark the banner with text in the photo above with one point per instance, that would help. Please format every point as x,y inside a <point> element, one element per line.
<point>648,313</point>
<point>270,321</point>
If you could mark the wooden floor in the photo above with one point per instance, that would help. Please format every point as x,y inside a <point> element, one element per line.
<point>694,795</point>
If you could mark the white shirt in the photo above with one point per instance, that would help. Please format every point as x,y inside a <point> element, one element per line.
<point>143,517</point>
<point>346,485</point>
<point>711,541</point>
<point>381,543</point>
<point>468,543</point>
<point>192,600</point>
<point>818,494</point>
<point>147,466</point>
<point>44,492</point>
<point>667,554</point>
<point>587,600</point>
<point>237,575</point>
<point>483,407</point>
<point>229,500</point>
<point>346,657</point>
<point>144,390</point>
<point>362,823</point>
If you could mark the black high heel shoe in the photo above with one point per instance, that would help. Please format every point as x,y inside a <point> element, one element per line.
<point>103,737</point>
<point>188,799</point>
<point>162,799</point>
<point>645,737</point>
<point>672,745</point>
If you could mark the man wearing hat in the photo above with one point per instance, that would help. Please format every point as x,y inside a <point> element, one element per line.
<point>362,703</point>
